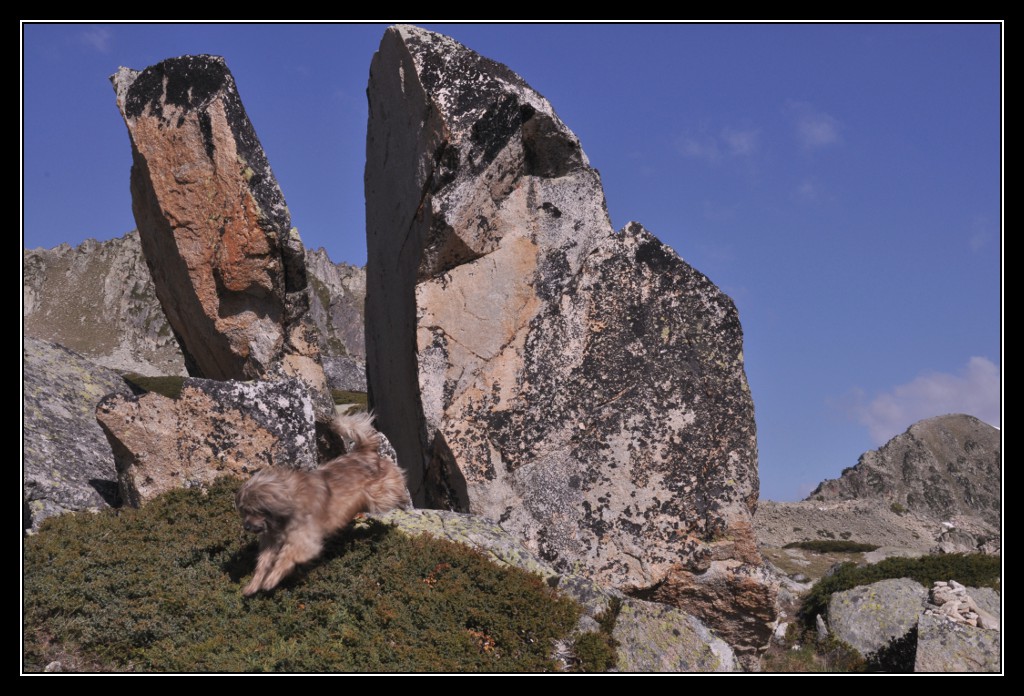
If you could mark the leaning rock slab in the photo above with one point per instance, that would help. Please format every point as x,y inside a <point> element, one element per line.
<point>227,265</point>
<point>67,461</point>
<point>652,637</point>
<point>869,616</point>
<point>945,646</point>
<point>212,429</point>
<point>582,387</point>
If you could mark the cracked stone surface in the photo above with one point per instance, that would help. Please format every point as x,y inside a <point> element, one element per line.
<point>581,387</point>
<point>212,429</point>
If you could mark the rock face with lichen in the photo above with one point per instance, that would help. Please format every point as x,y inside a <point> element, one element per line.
<point>583,387</point>
<point>68,466</point>
<point>212,429</point>
<point>227,265</point>
<point>869,616</point>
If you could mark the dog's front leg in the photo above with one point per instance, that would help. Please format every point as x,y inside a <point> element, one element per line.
<point>269,549</point>
<point>297,548</point>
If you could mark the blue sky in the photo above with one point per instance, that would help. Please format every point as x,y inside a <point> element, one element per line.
<point>842,182</point>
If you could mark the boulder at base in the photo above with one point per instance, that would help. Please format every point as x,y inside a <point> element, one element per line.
<point>212,429</point>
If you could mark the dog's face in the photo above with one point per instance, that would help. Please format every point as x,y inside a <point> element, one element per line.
<point>256,501</point>
<point>254,521</point>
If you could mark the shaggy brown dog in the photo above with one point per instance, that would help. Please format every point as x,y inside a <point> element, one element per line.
<point>294,511</point>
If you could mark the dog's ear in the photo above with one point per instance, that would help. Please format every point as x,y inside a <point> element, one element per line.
<point>270,492</point>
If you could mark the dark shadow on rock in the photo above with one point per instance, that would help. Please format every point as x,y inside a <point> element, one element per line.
<point>108,490</point>
<point>897,657</point>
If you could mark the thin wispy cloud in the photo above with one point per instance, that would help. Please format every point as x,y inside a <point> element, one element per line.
<point>807,190</point>
<point>815,129</point>
<point>699,147</point>
<point>97,39</point>
<point>740,142</point>
<point>980,234</point>
<point>714,147</point>
<point>974,391</point>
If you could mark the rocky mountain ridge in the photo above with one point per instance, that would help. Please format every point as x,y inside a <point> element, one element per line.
<point>99,300</point>
<point>935,487</point>
<point>945,467</point>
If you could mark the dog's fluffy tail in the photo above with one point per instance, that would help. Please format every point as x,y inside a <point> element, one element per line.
<point>358,429</point>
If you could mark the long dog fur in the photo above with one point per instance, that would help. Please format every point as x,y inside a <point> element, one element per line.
<point>294,511</point>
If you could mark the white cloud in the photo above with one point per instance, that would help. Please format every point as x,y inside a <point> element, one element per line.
<point>980,234</point>
<point>814,128</point>
<point>740,142</point>
<point>98,38</point>
<point>975,391</point>
<point>731,142</point>
<point>701,147</point>
<point>807,190</point>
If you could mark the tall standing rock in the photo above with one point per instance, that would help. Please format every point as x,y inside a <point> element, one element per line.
<point>228,266</point>
<point>583,388</point>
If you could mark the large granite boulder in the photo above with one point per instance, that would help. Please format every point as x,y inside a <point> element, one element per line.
<point>583,387</point>
<point>944,467</point>
<point>651,637</point>
<point>227,265</point>
<point>211,429</point>
<point>947,646</point>
<point>869,616</point>
<point>68,466</point>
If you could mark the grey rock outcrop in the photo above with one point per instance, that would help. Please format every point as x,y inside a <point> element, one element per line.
<point>227,265</point>
<point>945,646</point>
<point>584,388</point>
<point>98,300</point>
<point>68,465</point>
<point>212,429</point>
<point>651,637</point>
<point>337,293</point>
<point>658,638</point>
<point>943,467</point>
<point>869,616</point>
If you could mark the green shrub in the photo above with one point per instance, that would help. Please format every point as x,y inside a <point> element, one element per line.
<point>899,508</point>
<point>831,546</point>
<point>342,397</point>
<point>159,589</point>
<point>803,651</point>
<point>977,570</point>
<point>596,651</point>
